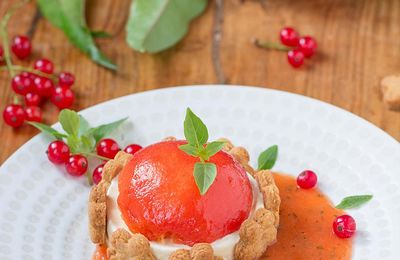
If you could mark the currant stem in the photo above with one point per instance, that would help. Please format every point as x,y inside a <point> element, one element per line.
<point>89,178</point>
<point>22,68</point>
<point>97,156</point>
<point>4,34</point>
<point>270,45</point>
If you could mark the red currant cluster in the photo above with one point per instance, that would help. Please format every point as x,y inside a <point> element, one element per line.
<point>58,152</point>
<point>304,47</point>
<point>343,226</point>
<point>297,48</point>
<point>35,85</point>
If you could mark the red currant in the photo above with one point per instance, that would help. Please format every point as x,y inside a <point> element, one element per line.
<point>308,46</point>
<point>44,65</point>
<point>289,36</point>
<point>21,84</point>
<point>32,99</point>
<point>63,97</point>
<point>58,152</point>
<point>98,173</point>
<point>107,148</point>
<point>344,226</point>
<point>30,75</point>
<point>21,46</point>
<point>76,165</point>
<point>33,113</point>
<point>295,58</point>
<point>307,179</point>
<point>1,53</point>
<point>132,148</point>
<point>14,115</point>
<point>66,79</point>
<point>44,86</point>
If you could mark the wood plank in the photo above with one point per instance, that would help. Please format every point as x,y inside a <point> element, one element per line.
<point>358,43</point>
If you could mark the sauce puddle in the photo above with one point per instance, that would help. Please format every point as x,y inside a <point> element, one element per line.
<point>305,226</point>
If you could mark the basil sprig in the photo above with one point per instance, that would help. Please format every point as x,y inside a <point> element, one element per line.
<point>79,135</point>
<point>196,134</point>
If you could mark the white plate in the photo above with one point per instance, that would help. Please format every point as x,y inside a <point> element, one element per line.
<point>43,210</point>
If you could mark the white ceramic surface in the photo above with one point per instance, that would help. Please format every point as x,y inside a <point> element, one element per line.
<point>43,210</point>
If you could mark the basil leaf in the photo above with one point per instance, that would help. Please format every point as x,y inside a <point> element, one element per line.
<point>214,147</point>
<point>100,34</point>
<point>83,125</point>
<point>100,131</point>
<point>69,121</point>
<point>195,131</point>
<point>204,176</point>
<point>47,130</point>
<point>155,25</point>
<point>189,149</point>
<point>68,16</point>
<point>87,144</point>
<point>354,201</point>
<point>73,143</point>
<point>267,159</point>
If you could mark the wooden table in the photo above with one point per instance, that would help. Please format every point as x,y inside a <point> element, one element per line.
<point>358,40</point>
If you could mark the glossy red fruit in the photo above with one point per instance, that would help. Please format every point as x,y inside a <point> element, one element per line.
<point>14,115</point>
<point>132,148</point>
<point>58,152</point>
<point>307,179</point>
<point>98,173</point>
<point>32,99</point>
<point>44,86</point>
<point>76,165</point>
<point>30,75</point>
<point>295,58</point>
<point>21,46</point>
<point>308,45</point>
<point>159,179</point>
<point>44,65</point>
<point>63,97</point>
<point>289,36</point>
<point>1,53</point>
<point>344,226</point>
<point>33,113</point>
<point>21,84</point>
<point>107,148</point>
<point>66,79</point>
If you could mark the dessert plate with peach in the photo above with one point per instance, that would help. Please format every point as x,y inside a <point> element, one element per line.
<point>215,172</point>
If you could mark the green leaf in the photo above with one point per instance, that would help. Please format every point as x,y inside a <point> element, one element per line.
<point>155,25</point>
<point>100,131</point>
<point>204,175</point>
<point>195,131</point>
<point>47,130</point>
<point>189,149</point>
<point>87,144</point>
<point>354,201</point>
<point>267,159</point>
<point>74,143</point>
<point>68,15</point>
<point>100,34</point>
<point>84,125</point>
<point>69,120</point>
<point>214,147</point>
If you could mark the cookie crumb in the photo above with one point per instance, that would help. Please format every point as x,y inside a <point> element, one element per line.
<point>390,86</point>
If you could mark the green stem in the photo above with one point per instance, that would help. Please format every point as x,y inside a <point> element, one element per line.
<point>270,45</point>
<point>89,178</point>
<point>4,35</point>
<point>21,68</point>
<point>96,156</point>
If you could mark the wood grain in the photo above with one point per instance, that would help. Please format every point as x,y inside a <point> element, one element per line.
<point>359,44</point>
